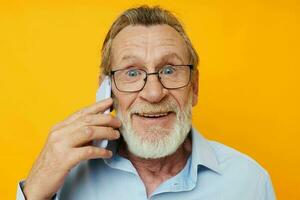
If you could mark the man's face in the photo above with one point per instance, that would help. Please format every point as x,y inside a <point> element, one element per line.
<point>151,115</point>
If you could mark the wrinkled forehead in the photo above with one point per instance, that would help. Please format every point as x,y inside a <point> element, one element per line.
<point>148,43</point>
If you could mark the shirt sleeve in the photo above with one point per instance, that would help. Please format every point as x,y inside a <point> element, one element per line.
<point>269,193</point>
<point>20,193</point>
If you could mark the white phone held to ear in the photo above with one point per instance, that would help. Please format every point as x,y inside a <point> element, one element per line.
<point>103,92</point>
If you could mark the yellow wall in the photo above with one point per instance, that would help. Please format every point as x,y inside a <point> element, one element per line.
<point>249,87</point>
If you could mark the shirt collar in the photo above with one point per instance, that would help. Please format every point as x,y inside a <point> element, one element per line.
<point>203,153</point>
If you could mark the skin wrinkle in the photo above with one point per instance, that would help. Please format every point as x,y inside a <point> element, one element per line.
<point>151,54</point>
<point>165,57</point>
<point>136,45</point>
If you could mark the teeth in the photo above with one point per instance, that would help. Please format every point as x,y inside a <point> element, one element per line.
<point>153,115</point>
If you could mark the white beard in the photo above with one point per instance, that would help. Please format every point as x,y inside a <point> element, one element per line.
<point>158,142</point>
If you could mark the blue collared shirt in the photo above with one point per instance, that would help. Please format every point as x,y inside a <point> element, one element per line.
<point>212,172</point>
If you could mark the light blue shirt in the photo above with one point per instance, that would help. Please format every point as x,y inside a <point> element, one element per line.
<point>212,172</point>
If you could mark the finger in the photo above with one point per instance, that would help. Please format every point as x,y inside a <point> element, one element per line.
<point>100,120</point>
<point>95,108</point>
<point>86,153</point>
<point>88,133</point>
<point>99,107</point>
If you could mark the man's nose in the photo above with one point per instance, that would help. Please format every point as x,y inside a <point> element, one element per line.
<point>153,90</point>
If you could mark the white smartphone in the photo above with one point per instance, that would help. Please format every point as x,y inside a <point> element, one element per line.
<point>103,92</point>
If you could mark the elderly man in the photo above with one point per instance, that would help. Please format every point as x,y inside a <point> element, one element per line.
<point>153,153</point>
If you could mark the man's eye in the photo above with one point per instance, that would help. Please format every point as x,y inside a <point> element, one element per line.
<point>168,70</point>
<point>133,73</point>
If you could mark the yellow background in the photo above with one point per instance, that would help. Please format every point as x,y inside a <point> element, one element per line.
<point>249,76</point>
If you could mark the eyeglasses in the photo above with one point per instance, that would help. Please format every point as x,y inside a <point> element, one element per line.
<point>134,79</point>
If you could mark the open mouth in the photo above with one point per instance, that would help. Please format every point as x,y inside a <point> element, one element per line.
<point>149,119</point>
<point>153,115</point>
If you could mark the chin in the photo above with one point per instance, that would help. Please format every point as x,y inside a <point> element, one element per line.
<point>155,141</point>
<point>153,132</point>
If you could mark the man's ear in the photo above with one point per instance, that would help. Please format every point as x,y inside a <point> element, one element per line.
<point>195,85</point>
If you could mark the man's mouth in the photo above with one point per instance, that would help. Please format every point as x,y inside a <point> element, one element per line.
<point>163,119</point>
<point>152,115</point>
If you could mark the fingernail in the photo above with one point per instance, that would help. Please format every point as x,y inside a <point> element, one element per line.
<point>117,134</point>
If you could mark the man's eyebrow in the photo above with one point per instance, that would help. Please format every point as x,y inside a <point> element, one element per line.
<point>164,57</point>
<point>129,57</point>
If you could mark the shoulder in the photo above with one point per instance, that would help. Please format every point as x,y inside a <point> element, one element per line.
<point>242,171</point>
<point>232,160</point>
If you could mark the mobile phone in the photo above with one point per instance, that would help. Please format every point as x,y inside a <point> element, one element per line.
<point>103,92</point>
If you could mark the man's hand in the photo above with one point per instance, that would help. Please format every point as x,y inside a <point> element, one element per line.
<point>68,143</point>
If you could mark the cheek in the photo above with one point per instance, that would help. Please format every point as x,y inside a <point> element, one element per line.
<point>181,96</point>
<point>123,100</point>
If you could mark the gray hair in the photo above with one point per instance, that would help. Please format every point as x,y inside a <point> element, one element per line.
<point>147,16</point>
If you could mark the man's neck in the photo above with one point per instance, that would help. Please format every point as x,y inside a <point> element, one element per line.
<point>155,171</point>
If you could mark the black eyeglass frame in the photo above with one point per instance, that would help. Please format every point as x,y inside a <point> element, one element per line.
<point>153,73</point>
